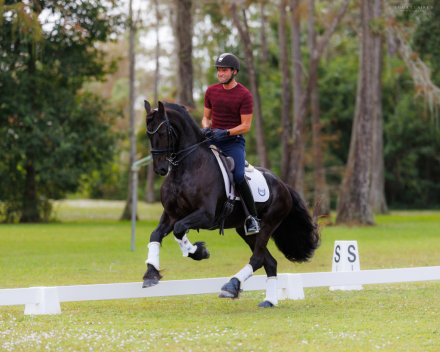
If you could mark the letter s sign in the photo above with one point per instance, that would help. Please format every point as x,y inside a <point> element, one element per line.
<point>337,249</point>
<point>351,260</point>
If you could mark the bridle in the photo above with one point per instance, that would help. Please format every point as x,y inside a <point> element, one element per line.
<point>172,155</point>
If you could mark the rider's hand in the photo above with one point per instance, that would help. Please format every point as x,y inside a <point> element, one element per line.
<point>218,133</point>
<point>206,131</point>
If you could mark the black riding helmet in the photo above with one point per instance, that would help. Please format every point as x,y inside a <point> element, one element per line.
<point>228,60</point>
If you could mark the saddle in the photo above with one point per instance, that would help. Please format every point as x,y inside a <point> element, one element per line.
<point>228,207</point>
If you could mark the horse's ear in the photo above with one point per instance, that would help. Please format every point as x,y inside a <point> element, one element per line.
<point>161,108</point>
<point>147,106</point>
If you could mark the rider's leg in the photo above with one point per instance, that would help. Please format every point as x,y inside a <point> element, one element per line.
<point>253,225</point>
<point>235,148</point>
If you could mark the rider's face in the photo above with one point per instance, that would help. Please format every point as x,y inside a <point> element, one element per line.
<point>224,74</point>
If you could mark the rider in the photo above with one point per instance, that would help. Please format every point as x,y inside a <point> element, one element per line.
<point>228,111</point>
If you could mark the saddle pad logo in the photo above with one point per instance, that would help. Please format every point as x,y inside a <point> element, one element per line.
<point>261,192</point>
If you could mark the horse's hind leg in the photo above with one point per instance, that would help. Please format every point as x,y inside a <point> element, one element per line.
<point>232,288</point>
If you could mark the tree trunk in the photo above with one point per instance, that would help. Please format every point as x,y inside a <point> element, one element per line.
<point>285,87</point>
<point>184,50</point>
<point>264,56</point>
<point>30,212</point>
<point>295,30</point>
<point>353,203</point>
<point>149,194</point>
<point>126,215</point>
<point>247,47</point>
<point>377,191</point>
<point>321,190</point>
<point>297,154</point>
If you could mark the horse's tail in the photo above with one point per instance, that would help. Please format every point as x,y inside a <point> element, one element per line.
<point>298,235</point>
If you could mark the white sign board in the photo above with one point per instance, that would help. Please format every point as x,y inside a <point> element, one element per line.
<point>346,258</point>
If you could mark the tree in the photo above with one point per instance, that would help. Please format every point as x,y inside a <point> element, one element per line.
<point>297,126</point>
<point>321,191</point>
<point>53,133</point>
<point>353,202</point>
<point>264,55</point>
<point>243,30</point>
<point>149,194</point>
<point>285,90</point>
<point>297,155</point>
<point>377,190</point>
<point>126,214</point>
<point>184,51</point>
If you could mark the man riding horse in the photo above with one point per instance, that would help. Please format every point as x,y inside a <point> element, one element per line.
<point>228,111</point>
<point>194,195</point>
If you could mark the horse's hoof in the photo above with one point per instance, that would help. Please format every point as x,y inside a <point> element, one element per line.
<point>231,289</point>
<point>200,253</point>
<point>265,304</point>
<point>150,282</point>
<point>225,294</point>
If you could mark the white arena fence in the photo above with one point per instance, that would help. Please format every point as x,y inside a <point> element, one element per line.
<point>46,300</point>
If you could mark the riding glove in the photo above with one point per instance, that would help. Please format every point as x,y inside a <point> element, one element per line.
<point>206,132</point>
<point>218,133</point>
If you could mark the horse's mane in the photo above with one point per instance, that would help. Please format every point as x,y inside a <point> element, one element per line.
<point>182,110</point>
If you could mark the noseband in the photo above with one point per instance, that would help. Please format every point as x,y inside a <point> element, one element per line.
<point>172,155</point>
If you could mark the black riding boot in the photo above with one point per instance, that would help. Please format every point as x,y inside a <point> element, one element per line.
<point>252,223</point>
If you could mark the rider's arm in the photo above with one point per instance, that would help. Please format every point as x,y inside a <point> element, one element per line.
<point>244,127</point>
<point>207,118</point>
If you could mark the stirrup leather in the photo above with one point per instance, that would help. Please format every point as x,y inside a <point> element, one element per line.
<point>254,227</point>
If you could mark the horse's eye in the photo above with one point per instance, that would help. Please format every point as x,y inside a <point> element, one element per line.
<point>162,135</point>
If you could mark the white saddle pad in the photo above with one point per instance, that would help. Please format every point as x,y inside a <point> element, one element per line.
<point>258,183</point>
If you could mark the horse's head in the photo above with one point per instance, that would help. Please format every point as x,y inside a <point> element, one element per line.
<point>159,133</point>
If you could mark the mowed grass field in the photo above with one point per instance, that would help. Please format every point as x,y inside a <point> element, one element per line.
<point>90,246</point>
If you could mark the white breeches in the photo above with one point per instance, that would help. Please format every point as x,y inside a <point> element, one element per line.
<point>153,254</point>
<point>186,246</point>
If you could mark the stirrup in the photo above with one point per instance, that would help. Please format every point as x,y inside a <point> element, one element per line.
<point>254,228</point>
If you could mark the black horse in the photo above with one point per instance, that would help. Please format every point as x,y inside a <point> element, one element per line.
<point>193,194</point>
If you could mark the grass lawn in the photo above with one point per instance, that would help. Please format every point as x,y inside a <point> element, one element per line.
<point>89,247</point>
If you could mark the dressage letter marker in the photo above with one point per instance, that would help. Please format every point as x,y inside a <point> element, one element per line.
<point>346,258</point>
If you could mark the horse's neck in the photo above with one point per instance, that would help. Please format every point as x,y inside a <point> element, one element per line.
<point>193,163</point>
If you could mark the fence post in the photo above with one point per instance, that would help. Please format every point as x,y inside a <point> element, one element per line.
<point>49,303</point>
<point>294,288</point>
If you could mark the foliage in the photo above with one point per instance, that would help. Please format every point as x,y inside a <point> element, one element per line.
<point>426,33</point>
<point>53,133</point>
<point>412,157</point>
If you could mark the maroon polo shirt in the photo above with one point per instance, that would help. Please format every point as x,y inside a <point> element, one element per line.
<point>227,105</point>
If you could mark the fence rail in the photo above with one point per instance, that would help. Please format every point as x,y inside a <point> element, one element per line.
<point>46,300</point>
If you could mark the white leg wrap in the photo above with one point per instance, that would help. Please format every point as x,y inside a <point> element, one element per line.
<point>271,290</point>
<point>186,246</point>
<point>244,274</point>
<point>153,254</point>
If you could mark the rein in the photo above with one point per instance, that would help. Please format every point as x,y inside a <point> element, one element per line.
<point>171,154</point>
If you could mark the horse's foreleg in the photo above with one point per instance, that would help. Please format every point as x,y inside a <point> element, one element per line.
<point>152,275</point>
<point>196,251</point>
<point>198,219</point>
